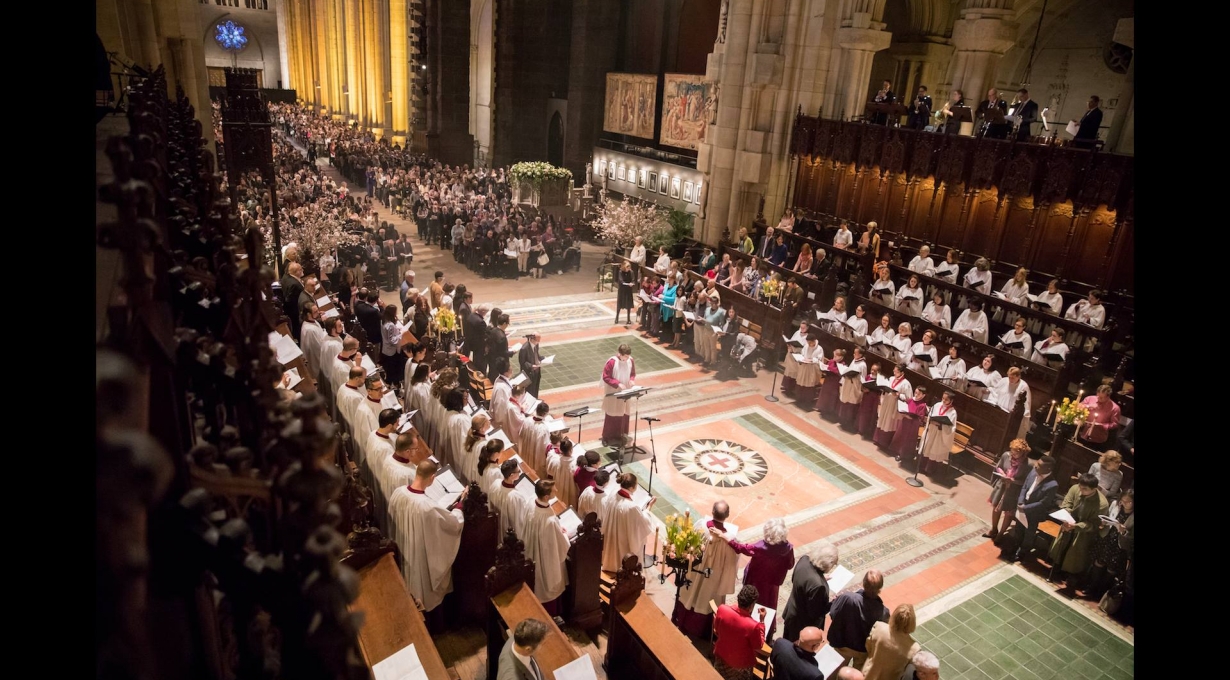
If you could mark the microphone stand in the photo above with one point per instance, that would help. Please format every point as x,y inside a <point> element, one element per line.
<point>772,390</point>
<point>653,457</point>
<point>914,481</point>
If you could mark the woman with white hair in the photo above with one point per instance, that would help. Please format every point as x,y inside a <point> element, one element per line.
<point>809,591</point>
<point>924,666</point>
<point>772,557</point>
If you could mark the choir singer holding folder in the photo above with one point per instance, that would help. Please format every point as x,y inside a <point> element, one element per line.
<point>619,373</point>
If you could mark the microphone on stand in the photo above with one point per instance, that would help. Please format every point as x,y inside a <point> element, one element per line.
<point>650,419</point>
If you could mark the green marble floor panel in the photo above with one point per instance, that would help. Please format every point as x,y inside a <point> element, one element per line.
<point>577,363</point>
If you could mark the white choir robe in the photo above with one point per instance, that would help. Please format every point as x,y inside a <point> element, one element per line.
<point>420,395</point>
<point>939,438</point>
<point>881,334</point>
<point>889,290</point>
<point>807,374</point>
<point>889,415</point>
<point>852,388</point>
<point>429,537</point>
<point>310,337</point>
<point>922,265</point>
<point>513,507</point>
<point>855,329</point>
<point>946,271</point>
<point>1052,302</point>
<point>468,463</point>
<point>453,442</point>
<point>902,343</point>
<point>339,371</point>
<point>560,468</point>
<point>348,399</point>
<point>490,479</point>
<point>516,424</point>
<point>940,316</point>
<point>329,348</point>
<point>1004,396</point>
<point>407,395</point>
<point>1016,292</point>
<point>615,410</point>
<point>1087,314</point>
<point>590,501</point>
<point>363,421</point>
<point>533,444</point>
<point>373,406</point>
<point>837,327</point>
<point>606,504</point>
<point>724,563</point>
<point>546,545</point>
<point>918,349</point>
<point>988,378</point>
<point>1049,347</point>
<point>434,424</point>
<point>390,476</point>
<point>625,532</point>
<point>1027,346</point>
<point>979,280</point>
<point>791,367</point>
<point>501,395</point>
<point>972,326</point>
<point>910,300</point>
<point>376,448</point>
<point>952,372</point>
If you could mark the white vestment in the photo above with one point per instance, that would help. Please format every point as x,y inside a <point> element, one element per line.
<point>590,501</point>
<point>453,442</point>
<point>621,372</point>
<point>339,371</point>
<point>429,537</point>
<point>974,327</point>
<point>625,533</point>
<point>533,445</point>
<point>724,562</point>
<point>348,399</point>
<point>513,509</point>
<point>390,475</point>
<point>501,394</point>
<point>607,503</point>
<point>468,460</point>
<point>1004,396</point>
<point>940,316</point>
<point>939,437</point>
<point>491,479</point>
<point>560,468</point>
<point>889,415</point>
<point>310,337</point>
<point>420,395</point>
<point>546,546</point>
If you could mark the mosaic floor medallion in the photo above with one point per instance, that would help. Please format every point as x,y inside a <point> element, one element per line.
<point>718,462</point>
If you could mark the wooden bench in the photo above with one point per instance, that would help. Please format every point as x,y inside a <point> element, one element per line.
<point>392,619</point>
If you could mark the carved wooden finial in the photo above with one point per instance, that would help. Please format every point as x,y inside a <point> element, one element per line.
<point>629,580</point>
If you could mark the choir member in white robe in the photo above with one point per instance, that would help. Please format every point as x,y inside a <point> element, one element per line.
<point>453,436</point>
<point>513,507</point>
<point>901,342</point>
<point>1053,346</point>
<point>938,438</point>
<point>852,389</point>
<point>435,418</point>
<point>925,349</point>
<point>429,537</point>
<point>608,502</point>
<point>546,545</point>
<point>374,387</point>
<point>1050,300</point>
<point>883,336</point>
<point>489,476</point>
<point>979,277</point>
<point>1004,395</point>
<point>922,262</point>
<point>394,471</point>
<point>951,369</point>
<point>561,464</point>
<point>419,395</point>
<point>501,394</point>
<point>472,449</point>
<point>790,369</point>
<point>627,527</point>
<point>417,356</point>
<point>350,394</point>
<point>886,423</point>
<point>937,312</point>
<point>619,373</point>
<point>330,346</point>
<point>1017,289</point>
<point>984,374</point>
<point>883,290</point>
<point>948,269</point>
<point>692,613</point>
<point>973,322</point>
<point>1090,312</point>
<point>807,376</point>
<point>1017,335</point>
<point>855,327</point>
<point>378,443</point>
<point>341,363</point>
<point>516,416</point>
<point>310,337</point>
<point>591,497</point>
<point>535,438</point>
<point>910,297</point>
<point>834,320</point>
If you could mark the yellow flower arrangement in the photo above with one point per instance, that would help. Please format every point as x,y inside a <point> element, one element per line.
<point>770,287</point>
<point>683,541</point>
<point>1071,412</point>
<point>446,320</point>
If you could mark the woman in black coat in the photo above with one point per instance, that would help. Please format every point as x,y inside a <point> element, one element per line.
<point>626,278</point>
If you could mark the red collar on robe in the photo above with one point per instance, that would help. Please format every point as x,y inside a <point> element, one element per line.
<point>381,434</point>
<point>353,387</point>
<point>405,461</point>
<point>369,398</point>
<point>537,419</point>
<point>544,507</point>
<point>342,358</point>
<point>411,489</point>
<point>506,485</point>
<point>945,408</point>
<point>597,490</point>
<point>897,381</point>
<point>714,523</point>
<point>625,494</point>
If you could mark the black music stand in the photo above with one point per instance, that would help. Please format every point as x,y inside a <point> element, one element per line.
<point>633,392</point>
<point>580,414</point>
<point>891,112</point>
<point>961,114</point>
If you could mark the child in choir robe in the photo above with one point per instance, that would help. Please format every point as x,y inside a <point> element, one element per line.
<point>1050,300</point>
<point>395,471</point>
<point>902,342</point>
<point>535,438</point>
<point>1017,336</point>
<point>983,373</point>
<point>922,262</point>
<point>428,536</point>
<point>626,527</point>
<point>973,322</point>
<point>692,614</point>
<point>883,290</point>
<point>790,370</point>
<point>936,312</point>
<point>513,507</point>
<point>855,328</point>
<point>586,471</point>
<point>561,465</point>
<point>889,416</point>
<point>910,297</point>
<point>591,497</point>
<point>1052,351</point>
<point>456,427</point>
<point>808,375</point>
<point>869,406</point>
<point>922,355</point>
<point>905,438</point>
<point>489,475</point>
<point>830,390</point>
<point>420,394</point>
<point>851,394</point>
<point>948,269</point>
<point>979,278</point>
<point>952,368</point>
<point>546,545</point>
<point>938,437</point>
<point>472,449</point>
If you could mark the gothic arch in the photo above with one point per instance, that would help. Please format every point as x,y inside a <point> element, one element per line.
<point>213,50</point>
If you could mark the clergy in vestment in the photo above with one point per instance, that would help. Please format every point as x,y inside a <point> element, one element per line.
<point>513,507</point>
<point>535,438</point>
<point>561,464</point>
<point>310,337</point>
<point>393,472</point>
<point>627,526</point>
<point>619,373</point>
<point>428,535</point>
<point>692,613</point>
<point>591,498</point>
<point>546,545</point>
<point>453,434</point>
<point>938,438</point>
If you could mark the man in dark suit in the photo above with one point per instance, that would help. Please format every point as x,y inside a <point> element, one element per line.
<point>983,115</point>
<point>920,110</point>
<point>766,245</point>
<point>1027,110</point>
<point>809,593</point>
<point>1039,498</point>
<point>517,657</point>
<point>475,330</point>
<point>796,660</point>
<point>497,340</point>
<point>1087,129</point>
<point>528,358</point>
<point>292,287</point>
<point>884,96</point>
<point>368,312</point>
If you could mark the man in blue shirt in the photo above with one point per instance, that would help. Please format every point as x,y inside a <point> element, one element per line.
<point>853,616</point>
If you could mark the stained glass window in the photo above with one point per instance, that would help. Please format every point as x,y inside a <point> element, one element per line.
<point>230,36</point>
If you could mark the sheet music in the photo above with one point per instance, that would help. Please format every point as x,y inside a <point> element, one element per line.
<point>518,380</point>
<point>525,488</point>
<point>515,348</point>
<point>403,665</point>
<point>828,660</point>
<point>547,361</point>
<point>403,423</point>
<point>569,520</point>
<point>445,490</point>
<point>329,314</point>
<point>554,425</point>
<point>390,400</point>
<point>286,349</point>
<point>630,391</point>
<point>499,434</point>
<point>1072,128</point>
<point>294,378</point>
<point>578,669</point>
<point>839,579</point>
<point>1063,516</point>
<point>768,617</point>
<point>322,301</point>
<point>689,316</point>
<point>641,497</point>
<point>369,365</point>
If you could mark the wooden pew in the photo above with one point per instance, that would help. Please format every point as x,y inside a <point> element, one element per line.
<point>509,586</point>
<point>1073,459</point>
<point>392,619</point>
<point>643,643</point>
<point>307,385</point>
<point>475,555</point>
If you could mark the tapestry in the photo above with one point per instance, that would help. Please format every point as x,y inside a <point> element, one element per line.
<point>689,105</point>
<point>630,104</point>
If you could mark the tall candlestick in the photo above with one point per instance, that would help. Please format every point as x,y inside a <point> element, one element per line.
<point>655,544</point>
<point>1079,395</point>
<point>1048,413</point>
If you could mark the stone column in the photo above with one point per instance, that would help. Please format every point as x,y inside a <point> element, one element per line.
<point>353,77</point>
<point>399,59</point>
<point>279,9</point>
<point>985,31</point>
<point>858,47</point>
<point>1121,137</point>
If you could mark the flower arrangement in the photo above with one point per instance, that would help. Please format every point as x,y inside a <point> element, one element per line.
<point>770,288</point>
<point>624,221</point>
<point>1071,412</point>
<point>683,541</point>
<point>536,172</point>
<point>446,320</point>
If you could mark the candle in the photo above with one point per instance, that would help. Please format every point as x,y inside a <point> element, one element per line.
<point>655,544</point>
<point>1079,395</point>
<point>1048,413</point>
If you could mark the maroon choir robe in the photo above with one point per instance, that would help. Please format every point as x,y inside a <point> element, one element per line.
<point>905,438</point>
<point>826,400</point>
